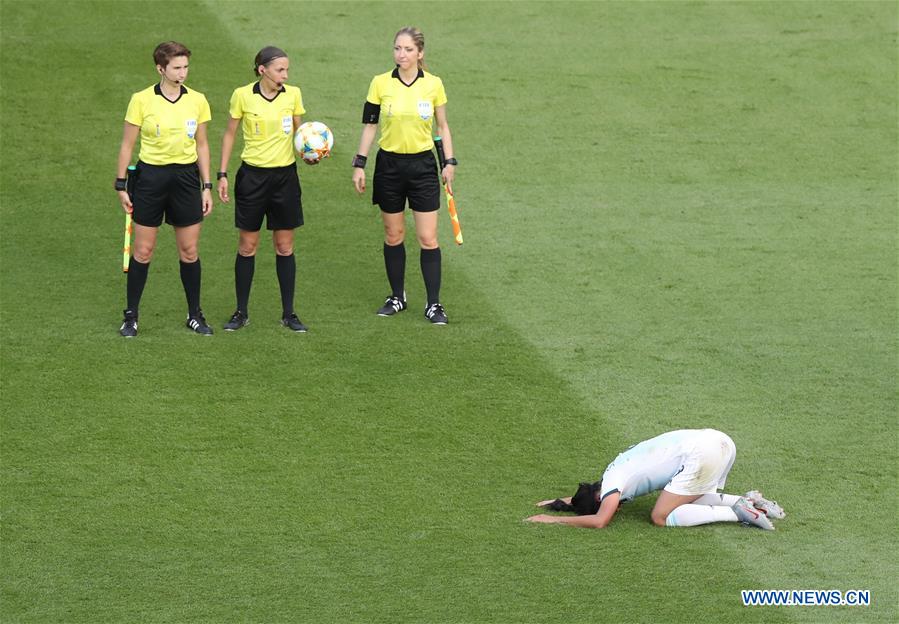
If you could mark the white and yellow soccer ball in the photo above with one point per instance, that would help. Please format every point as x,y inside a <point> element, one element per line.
<point>313,142</point>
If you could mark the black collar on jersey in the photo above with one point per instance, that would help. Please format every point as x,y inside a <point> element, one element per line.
<point>158,91</point>
<point>257,89</point>
<point>396,74</point>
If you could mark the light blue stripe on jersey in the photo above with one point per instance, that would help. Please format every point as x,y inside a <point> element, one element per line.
<point>648,466</point>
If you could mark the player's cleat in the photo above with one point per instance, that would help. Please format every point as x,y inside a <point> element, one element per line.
<point>392,305</point>
<point>129,324</point>
<point>198,324</point>
<point>750,516</point>
<point>292,323</point>
<point>238,320</point>
<point>771,508</point>
<point>436,314</point>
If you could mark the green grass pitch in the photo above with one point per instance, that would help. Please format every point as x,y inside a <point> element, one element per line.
<point>676,215</point>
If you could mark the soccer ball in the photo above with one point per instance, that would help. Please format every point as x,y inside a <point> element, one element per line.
<point>313,142</point>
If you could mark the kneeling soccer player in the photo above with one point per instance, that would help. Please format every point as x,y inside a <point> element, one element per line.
<point>689,466</point>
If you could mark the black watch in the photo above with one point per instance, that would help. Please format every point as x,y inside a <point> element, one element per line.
<point>451,161</point>
<point>221,174</point>
<point>121,184</point>
<point>207,186</point>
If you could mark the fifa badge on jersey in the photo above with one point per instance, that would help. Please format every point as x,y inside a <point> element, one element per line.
<point>287,124</point>
<point>191,128</point>
<point>424,110</point>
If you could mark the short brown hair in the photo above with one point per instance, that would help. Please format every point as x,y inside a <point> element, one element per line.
<point>168,50</point>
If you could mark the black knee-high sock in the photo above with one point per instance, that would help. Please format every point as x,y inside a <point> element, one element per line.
<point>137,279</point>
<point>190,279</point>
<point>244,267</point>
<point>395,263</point>
<point>430,270</point>
<point>286,266</point>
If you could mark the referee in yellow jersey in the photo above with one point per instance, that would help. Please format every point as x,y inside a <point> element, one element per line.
<point>172,178</point>
<point>266,185</point>
<point>406,101</point>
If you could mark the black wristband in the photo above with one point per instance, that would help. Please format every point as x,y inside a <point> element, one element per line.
<point>221,174</point>
<point>207,186</point>
<point>359,161</point>
<point>451,161</point>
<point>121,184</point>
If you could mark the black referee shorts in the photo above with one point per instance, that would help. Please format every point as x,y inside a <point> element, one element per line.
<point>399,177</point>
<point>172,191</point>
<point>270,192</point>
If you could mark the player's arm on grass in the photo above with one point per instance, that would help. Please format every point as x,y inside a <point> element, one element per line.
<point>449,171</point>
<point>129,138</point>
<point>599,520</point>
<point>203,163</point>
<point>368,137</point>
<point>227,147</point>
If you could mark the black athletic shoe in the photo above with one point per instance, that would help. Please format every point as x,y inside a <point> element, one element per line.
<point>292,323</point>
<point>198,324</point>
<point>392,305</point>
<point>436,314</point>
<point>238,320</point>
<point>129,324</point>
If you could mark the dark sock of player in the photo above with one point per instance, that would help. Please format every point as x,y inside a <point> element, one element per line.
<point>244,267</point>
<point>395,263</point>
<point>430,270</point>
<point>286,266</point>
<point>190,279</point>
<point>137,279</point>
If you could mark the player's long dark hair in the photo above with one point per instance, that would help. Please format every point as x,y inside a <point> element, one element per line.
<point>584,502</point>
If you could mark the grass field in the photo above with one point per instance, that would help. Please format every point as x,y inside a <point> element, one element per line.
<point>676,215</point>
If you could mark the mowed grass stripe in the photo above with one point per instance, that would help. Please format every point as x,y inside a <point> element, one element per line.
<point>710,302</point>
<point>732,294</point>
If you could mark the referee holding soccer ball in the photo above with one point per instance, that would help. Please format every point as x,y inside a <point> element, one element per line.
<point>172,178</point>
<point>266,185</point>
<point>406,101</point>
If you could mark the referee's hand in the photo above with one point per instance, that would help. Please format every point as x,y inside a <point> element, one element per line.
<point>449,174</point>
<point>126,201</point>
<point>359,179</point>
<point>207,202</point>
<point>223,190</point>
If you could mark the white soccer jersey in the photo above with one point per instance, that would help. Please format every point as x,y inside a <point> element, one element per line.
<point>652,464</point>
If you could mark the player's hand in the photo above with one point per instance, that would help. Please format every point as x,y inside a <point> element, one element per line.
<point>449,174</point>
<point>126,202</point>
<point>207,202</point>
<point>359,179</point>
<point>223,190</point>
<point>542,519</point>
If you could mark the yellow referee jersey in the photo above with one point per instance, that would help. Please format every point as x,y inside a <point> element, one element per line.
<point>407,111</point>
<point>168,129</point>
<point>267,124</point>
